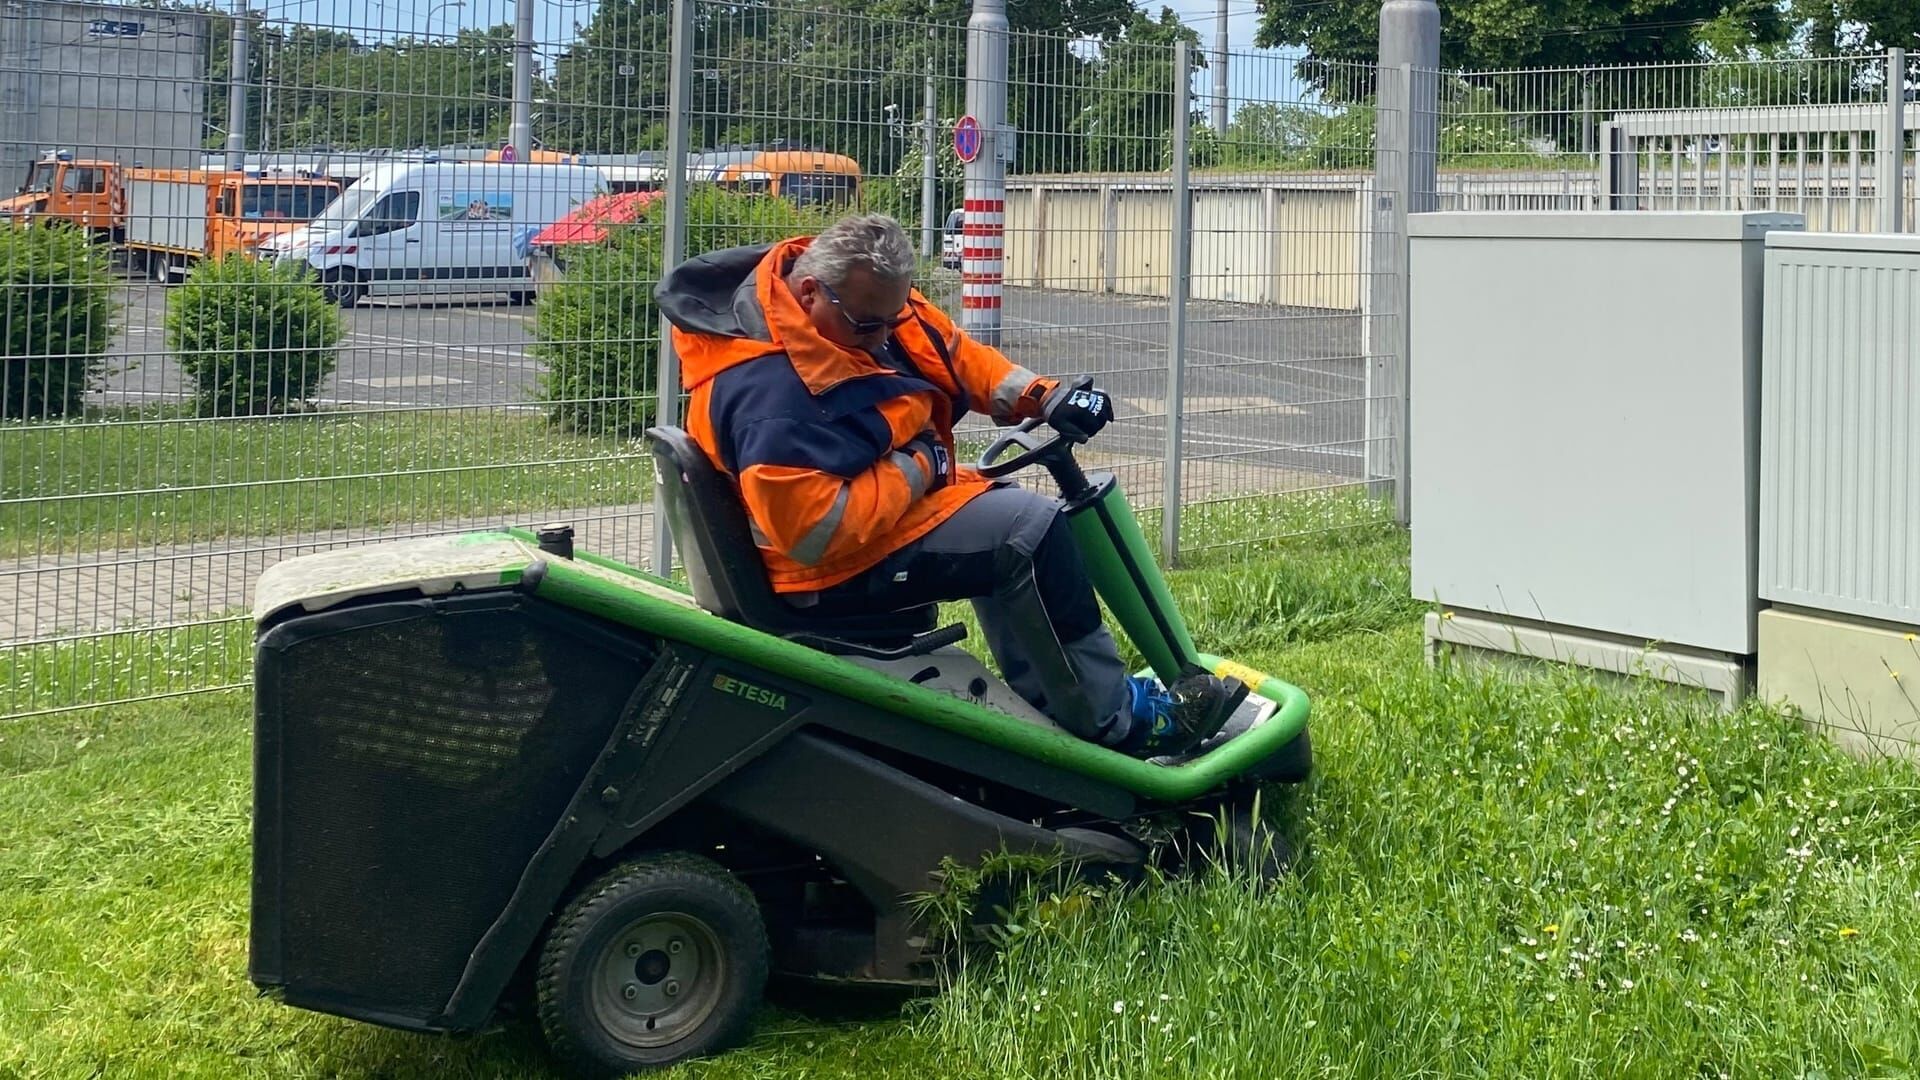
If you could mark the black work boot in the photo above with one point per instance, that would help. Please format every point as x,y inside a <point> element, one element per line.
<point>1173,721</point>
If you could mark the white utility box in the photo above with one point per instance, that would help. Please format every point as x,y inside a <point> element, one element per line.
<point>1840,485</point>
<point>1585,417</point>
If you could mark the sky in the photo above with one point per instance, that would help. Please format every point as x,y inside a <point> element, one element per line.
<point>1253,74</point>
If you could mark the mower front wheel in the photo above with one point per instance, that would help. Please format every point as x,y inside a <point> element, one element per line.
<point>660,959</point>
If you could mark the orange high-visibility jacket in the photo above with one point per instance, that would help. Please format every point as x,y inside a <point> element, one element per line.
<point>813,433</point>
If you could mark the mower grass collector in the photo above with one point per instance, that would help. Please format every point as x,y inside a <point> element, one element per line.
<point>491,762</point>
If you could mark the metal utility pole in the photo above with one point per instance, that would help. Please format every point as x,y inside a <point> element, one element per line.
<point>520,132</point>
<point>237,90</point>
<point>1404,182</point>
<point>666,400</point>
<point>983,257</point>
<point>1220,68</point>
<point>930,214</point>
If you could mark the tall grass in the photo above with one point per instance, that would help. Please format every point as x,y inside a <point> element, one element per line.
<point>1502,876</point>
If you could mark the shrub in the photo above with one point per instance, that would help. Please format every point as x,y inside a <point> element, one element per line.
<point>253,337</point>
<point>57,309</point>
<point>597,332</point>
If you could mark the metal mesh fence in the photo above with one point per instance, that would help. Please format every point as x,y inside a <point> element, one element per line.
<point>1814,136</point>
<point>351,271</point>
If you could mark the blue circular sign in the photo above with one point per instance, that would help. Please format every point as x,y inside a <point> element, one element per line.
<point>966,138</point>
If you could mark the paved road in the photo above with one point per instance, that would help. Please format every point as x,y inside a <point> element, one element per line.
<point>1264,386</point>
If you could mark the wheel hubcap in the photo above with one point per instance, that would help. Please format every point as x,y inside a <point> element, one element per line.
<point>658,980</point>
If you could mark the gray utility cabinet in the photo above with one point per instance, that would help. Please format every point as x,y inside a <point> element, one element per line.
<point>1840,446</point>
<point>1585,402</point>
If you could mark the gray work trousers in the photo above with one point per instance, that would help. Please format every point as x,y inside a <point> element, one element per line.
<point>1010,552</point>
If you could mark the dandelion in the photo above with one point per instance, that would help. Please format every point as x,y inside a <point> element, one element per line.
<point>1550,928</point>
<point>1626,984</point>
<point>1540,956</point>
<point>1551,998</point>
<point>1848,931</point>
<point>1119,1007</point>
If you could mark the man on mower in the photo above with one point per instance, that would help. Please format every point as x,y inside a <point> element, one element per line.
<point>826,387</point>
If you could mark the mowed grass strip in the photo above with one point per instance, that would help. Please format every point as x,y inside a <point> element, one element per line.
<point>151,477</point>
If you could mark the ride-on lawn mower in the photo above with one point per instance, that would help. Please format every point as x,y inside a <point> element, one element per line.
<point>490,761</point>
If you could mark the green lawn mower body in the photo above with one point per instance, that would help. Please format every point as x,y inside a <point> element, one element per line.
<point>491,761</point>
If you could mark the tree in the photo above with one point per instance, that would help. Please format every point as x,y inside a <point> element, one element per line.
<point>1494,35</point>
<point>1129,113</point>
<point>1853,27</point>
<point>610,88</point>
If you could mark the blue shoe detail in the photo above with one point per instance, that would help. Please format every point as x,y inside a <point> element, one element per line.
<point>1152,709</point>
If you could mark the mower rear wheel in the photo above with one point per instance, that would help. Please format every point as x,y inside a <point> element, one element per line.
<point>660,959</point>
<point>1249,844</point>
<point>1234,837</point>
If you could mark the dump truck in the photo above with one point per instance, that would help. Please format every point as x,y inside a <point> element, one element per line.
<point>175,217</point>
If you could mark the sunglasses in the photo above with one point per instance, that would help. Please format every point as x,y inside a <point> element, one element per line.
<point>863,327</point>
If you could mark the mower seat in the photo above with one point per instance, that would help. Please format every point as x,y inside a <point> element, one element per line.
<point>729,578</point>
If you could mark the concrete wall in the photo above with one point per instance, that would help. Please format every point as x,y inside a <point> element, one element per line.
<point>1856,680</point>
<point>123,83</point>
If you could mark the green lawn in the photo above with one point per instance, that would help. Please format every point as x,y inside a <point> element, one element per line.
<point>129,479</point>
<point>1533,877</point>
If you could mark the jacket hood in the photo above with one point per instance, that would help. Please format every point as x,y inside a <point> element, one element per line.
<point>733,305</point>
<point>714,305</point>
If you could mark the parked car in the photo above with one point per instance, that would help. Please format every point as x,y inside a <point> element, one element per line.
<point>585,225</point>
<point>950,240</point>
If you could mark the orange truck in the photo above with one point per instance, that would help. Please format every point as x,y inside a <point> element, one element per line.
<point>175,217</point>
<point>60,187</point>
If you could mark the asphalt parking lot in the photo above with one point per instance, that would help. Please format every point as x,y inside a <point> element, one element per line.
<point>1268,386</point>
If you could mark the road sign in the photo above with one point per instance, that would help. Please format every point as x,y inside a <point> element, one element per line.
<point>966,138</point>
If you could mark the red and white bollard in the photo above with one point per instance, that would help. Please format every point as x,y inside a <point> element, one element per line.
<point>982,267</point>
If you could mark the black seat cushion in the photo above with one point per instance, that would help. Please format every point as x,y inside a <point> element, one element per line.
<point>724,566</point>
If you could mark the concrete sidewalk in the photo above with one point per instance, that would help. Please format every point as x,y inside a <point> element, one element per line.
<point>165,586</point>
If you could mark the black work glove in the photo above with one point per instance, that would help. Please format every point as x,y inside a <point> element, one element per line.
<point>927,444</point>
<point>1079,412</point>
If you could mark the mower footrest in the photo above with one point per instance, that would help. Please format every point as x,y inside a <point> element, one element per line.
<point>918,645</point>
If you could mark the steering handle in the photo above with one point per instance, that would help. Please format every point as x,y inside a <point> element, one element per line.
<point>1034,450</point>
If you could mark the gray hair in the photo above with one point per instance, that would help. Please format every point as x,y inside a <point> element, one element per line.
<point>872,242</point>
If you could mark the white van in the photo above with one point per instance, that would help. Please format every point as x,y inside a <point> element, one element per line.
<point>437,229</point>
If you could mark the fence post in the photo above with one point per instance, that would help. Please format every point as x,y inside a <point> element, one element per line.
<point>1406,180</point>
<point>983,251</point>
<point>1891,168</point>
<point>930,215</point>
<point>1179,263</point>
<point>666,392</point>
